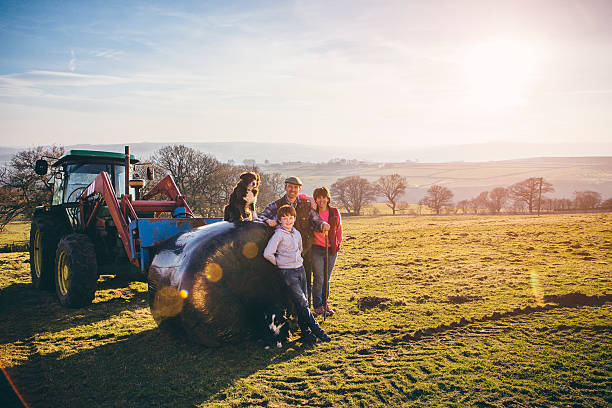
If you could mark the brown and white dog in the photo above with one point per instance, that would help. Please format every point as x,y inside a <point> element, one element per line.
<point>242,201</point>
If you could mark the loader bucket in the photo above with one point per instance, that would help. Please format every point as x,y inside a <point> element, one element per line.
<point>212,280</point>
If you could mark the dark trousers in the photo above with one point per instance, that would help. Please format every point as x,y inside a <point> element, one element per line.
<point>295,280</point>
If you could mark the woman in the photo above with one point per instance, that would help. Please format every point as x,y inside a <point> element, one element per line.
<point>331,215</point>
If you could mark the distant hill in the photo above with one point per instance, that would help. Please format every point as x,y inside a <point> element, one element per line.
<point>466,180</point>
<point>286,152</point>
<point>466,169</point>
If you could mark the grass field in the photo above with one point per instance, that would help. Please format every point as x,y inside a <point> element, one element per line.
<point>15,232</point>
<point>506,311</point>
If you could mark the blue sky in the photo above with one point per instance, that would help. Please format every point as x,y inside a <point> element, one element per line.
<point>334,72</point>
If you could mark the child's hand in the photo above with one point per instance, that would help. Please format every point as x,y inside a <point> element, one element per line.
<point>271,223</point>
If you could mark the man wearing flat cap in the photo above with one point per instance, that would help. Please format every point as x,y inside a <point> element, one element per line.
<point>307,220</point>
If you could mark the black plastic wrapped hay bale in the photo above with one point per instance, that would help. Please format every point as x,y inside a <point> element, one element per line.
<point>213,280</point>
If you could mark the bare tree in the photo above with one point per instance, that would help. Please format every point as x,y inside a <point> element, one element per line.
<point>586,200</point>
<point>218,192</point>
<point>197,175</point>
<point>463,205</point>
<point>607,204</point>
<point>353,193</point>
<point>562,204</point>
<point>497,199</point>
<point>11,206</point>
<point>391,187</point>
<point>481,201</point>
<point>438,197</point>
<point>22,189</point>
<point>529,191</point>
<point>420,206</point>
<point>403,207</point>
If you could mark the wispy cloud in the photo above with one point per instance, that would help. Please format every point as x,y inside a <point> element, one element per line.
<point>108,53</point>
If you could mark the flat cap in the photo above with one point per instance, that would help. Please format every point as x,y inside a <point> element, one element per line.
<point>293,180</point>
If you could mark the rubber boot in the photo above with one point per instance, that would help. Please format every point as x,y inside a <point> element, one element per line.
<point>314,327</point>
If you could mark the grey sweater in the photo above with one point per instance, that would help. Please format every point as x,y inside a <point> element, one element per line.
<point>284,249</point>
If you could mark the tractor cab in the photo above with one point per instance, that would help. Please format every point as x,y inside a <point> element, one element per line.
<point>98,223</point>
<point>76,170</point>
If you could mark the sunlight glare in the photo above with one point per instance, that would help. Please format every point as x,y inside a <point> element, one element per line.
<point>535,288</point>
<point>499,72</point>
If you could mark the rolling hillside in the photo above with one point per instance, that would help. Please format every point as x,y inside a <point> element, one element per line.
<point>466,176</point>
<point>466,180</point>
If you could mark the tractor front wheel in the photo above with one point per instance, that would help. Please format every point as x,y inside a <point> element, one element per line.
<point>76,270</point>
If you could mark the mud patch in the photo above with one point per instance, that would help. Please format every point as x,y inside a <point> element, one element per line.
<point>369,302</point>
<point>463,299</point>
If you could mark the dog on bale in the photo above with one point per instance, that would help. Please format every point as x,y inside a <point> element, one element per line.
<point>241,206</point>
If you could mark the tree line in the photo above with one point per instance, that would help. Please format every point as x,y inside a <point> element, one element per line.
<point>205,182</point>
<point>354,193</point>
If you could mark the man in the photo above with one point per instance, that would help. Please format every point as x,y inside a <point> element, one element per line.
<point>307,221</point>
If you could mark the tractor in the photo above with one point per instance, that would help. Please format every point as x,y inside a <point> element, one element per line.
<point>98,222</point>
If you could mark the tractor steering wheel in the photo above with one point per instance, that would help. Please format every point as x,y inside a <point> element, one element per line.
<point>76,193</point>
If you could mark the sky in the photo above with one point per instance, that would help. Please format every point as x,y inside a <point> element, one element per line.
<point>367,73</point>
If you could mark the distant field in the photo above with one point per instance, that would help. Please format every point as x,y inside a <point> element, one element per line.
<point>466,180</point>
<point>457,311</point>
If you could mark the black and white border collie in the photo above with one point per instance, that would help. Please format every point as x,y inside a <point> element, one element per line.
<point>274,326</point>
<point>241,206</point>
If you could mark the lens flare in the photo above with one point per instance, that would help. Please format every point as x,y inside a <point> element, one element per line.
<point>213,272</point>
<point>250,250</point>
<point>535,288</point>
<point>167,303</point>
<point>183,293</point>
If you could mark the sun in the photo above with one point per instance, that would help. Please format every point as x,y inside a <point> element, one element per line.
<point>499,72</point>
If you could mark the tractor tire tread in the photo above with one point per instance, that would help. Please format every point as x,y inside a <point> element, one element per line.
<point>81,258</point>
<point>50,235</point>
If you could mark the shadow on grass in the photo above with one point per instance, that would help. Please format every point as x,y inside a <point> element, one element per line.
<point>152,368</point>
<point>25,311</point>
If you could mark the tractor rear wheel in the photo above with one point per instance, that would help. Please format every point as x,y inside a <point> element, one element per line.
<point>76,270</point>
<point>45,233</point>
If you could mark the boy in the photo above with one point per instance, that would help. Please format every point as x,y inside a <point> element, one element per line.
<point>284,250</point>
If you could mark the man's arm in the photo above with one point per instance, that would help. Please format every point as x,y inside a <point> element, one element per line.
<point>268,215</point>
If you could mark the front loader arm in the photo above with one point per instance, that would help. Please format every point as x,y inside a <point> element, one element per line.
<point>168,187</point>
<point>102,186</point>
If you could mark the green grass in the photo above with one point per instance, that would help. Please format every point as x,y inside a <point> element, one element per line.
<point>15,232</point>
<point>513,348</point>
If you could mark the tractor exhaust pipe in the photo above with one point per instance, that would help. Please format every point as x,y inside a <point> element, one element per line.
<point>127,170</point>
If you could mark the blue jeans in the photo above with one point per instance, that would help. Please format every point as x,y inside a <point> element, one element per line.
<point>318,268</point>
<point>295,280</point>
